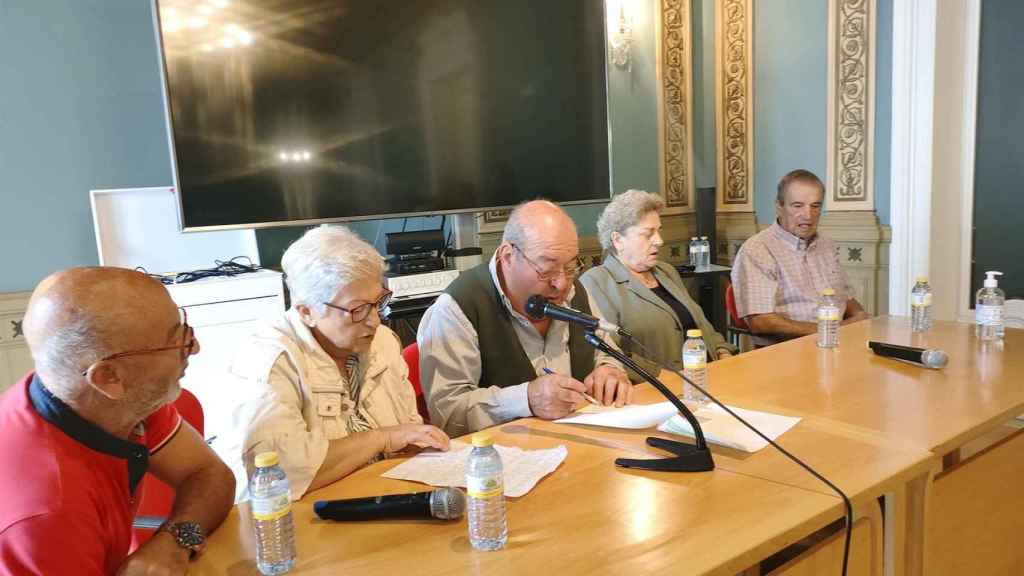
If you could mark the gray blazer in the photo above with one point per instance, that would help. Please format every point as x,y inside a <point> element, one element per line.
<point>624,300</point>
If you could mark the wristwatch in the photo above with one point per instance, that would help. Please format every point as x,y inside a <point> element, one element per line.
<point>188,535</point>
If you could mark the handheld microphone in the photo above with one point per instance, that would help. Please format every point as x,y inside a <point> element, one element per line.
<point>538,307</point>
<point>929,358</point>
<point>443,504</point>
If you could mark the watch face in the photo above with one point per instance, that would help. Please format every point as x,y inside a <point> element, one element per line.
<point>189,534</point>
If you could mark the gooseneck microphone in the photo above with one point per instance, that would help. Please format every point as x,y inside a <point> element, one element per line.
<point>538,307</point>
<point>443,504</point>
<point>928,358</point>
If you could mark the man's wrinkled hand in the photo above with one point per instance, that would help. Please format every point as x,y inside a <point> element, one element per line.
<point>609,385</point>
<point>554,396</point>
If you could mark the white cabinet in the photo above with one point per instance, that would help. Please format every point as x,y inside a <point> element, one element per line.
<point>224,312</point>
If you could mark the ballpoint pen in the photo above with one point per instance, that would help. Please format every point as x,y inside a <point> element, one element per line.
<point>586,396</point>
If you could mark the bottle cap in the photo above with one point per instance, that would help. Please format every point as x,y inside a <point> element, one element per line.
<point>990,280</point>
<point>828,292</point>
<point>922,279</point>
<point>693,238</point>
<point>482,440</point>
<point>693,333</point>
<point>703,237</point>
<point>266,459</point>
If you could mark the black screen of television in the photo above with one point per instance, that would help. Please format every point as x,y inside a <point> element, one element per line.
<point>300,110</point>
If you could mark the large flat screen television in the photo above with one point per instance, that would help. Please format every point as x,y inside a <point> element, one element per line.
<point>303,111</point>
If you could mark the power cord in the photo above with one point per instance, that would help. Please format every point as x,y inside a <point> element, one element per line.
<point>233,267</point>
<point>807,467</point>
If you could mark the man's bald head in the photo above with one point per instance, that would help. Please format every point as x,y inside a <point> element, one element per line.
<point>534,221</point>
<point>80,315</point>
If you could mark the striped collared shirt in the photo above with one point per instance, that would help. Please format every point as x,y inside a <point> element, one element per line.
<point>777,272</point>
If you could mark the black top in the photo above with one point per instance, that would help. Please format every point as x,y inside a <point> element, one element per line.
<point>503,362</point>
<point>685,319</point>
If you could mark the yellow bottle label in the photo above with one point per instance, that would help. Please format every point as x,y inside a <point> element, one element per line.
<point>484,487</point>
<point>271,508</point>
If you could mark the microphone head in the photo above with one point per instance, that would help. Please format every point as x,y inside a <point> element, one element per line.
<point>934,358</point>
<point>447,503</point>
<point>535,306</point>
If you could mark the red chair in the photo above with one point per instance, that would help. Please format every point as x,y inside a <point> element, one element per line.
<point>155,497</point>
<point>411,354</point>
<point>736,324</point>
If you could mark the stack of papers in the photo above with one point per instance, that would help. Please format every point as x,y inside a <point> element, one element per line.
<point>523,468</point>
<point>721,428</point>
<point>634,416</point>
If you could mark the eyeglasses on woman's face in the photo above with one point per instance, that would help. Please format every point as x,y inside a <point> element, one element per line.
<point>359,313</point>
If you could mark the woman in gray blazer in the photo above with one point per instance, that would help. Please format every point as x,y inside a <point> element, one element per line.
<point>636,291</point>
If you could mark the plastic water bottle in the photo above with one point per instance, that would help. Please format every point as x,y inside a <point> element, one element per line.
<point>921,305</point>
<point>705,252</point>
<point>695,366</point>
<point>828,319</point>
<point>988,311</point>
<point>485,484</point>
<point>272,516</point>
<point>694,252</point>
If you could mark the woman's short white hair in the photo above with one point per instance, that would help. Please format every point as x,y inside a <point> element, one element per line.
<point>625,210</point>
<point>324,260</point>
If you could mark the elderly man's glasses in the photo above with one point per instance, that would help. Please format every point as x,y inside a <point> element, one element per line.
<point>359,313</point>
<point>570,270</point>
<point>188,344</point>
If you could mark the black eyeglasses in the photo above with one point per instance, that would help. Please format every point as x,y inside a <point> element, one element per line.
<point>570,270</point>
<point>188,344</point>
<point>359,313</point>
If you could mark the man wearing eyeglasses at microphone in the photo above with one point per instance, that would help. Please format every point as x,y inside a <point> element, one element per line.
<point>484,360</point>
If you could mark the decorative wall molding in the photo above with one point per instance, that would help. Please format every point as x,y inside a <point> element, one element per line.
<point>731,230</point>
<point>15,359</point>
<point>675,106</point>
<point>734,104</point>
<point>851,105</point>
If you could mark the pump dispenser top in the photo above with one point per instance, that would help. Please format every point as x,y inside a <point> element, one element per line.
<point>990,279</point>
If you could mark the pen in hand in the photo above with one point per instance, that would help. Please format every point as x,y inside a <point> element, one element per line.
<point>586,396</point>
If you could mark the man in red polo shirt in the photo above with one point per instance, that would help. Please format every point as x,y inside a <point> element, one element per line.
<point>77,435</point>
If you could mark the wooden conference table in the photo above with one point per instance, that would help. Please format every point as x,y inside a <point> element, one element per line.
<point>975,508</point>
<point>864,426</point>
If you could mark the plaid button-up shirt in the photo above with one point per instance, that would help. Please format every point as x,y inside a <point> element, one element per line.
<point>778,272</point>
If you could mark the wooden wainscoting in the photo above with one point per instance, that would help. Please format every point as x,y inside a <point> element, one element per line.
<point>15,359</point>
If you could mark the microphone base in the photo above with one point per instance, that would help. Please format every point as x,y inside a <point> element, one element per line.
<point>688,458</point>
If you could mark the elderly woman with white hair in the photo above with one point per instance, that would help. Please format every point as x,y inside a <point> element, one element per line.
<point>325,386</point>
<point>641,294</point>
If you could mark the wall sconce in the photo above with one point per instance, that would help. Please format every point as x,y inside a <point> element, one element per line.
<point>620,36</point>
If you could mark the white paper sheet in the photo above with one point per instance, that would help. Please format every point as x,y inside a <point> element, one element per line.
<point>722,429</point>
<point>634,416</point>
<point>523,468</point>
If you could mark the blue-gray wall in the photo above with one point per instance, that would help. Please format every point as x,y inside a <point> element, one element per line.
<point>790,94</point>
<point>791,97</point>
<point>80,109</point>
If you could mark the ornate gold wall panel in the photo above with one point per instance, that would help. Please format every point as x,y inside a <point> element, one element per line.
<point>734,105</point>
<point>675,105</point>
<point>851,106</point>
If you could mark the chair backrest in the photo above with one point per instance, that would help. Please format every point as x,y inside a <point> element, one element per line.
<point>411,354</point>
<point>155,497</point>
<point>730,305</point>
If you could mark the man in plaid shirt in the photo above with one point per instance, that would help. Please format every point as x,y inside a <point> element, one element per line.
<point>779,273</point>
